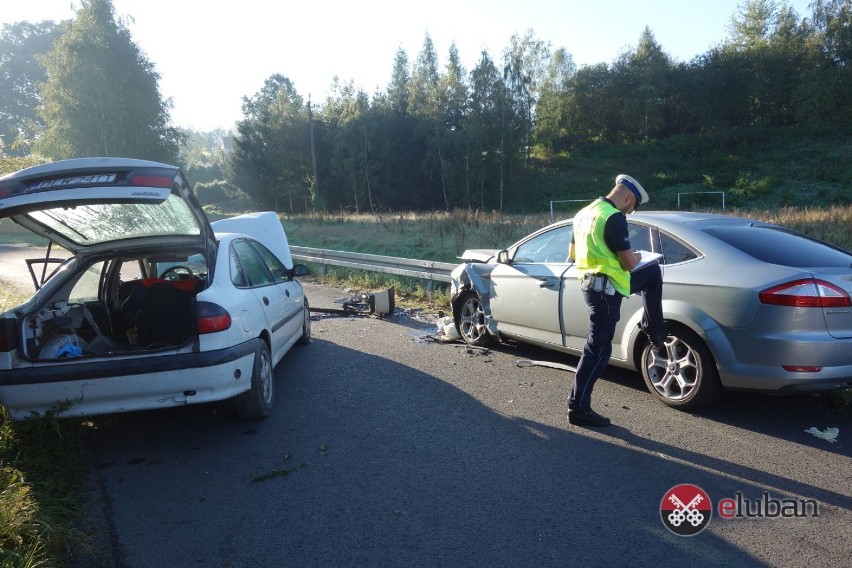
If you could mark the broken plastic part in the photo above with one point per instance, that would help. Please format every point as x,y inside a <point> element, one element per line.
<point>829,434</point>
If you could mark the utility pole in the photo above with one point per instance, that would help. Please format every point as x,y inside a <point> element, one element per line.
<point>313,150</point>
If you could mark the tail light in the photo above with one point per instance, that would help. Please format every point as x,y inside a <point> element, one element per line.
<point>211,317</point>
<point>151,181</point>
<point>806,293</point>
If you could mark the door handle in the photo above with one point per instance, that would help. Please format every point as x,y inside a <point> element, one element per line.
<point>265,301</point>
<point>546,283</point>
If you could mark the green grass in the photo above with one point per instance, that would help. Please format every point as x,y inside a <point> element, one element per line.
<point>39,491</point>
<point>10,233</point>
<point>443,236</point>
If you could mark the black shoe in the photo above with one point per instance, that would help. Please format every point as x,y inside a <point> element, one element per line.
<point>587,418</point>
<point>660,346</point>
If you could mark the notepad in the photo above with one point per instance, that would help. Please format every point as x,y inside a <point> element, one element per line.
<point>647,258</point>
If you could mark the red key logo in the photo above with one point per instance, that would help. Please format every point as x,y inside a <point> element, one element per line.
<point>686,509</point>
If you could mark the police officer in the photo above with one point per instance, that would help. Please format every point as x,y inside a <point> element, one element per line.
<point>604,260</point>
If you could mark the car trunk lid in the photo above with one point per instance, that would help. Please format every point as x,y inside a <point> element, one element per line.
<point>91,204</point>
<point>838,319</point>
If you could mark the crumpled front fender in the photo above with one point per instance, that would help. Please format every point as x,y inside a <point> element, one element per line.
<point>466,277</point>
<point>473,276</point>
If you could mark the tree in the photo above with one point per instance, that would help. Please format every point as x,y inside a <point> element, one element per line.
<point>833,22</point>
<point>398,89</point>
<point>484,131</point>
<point>102,95</point>
<point>524,63</point>
<point>202,155</point>
<point>642,77</point>
<point>271,158</point>
<point>20,74</point>
<point>346,112</point>
<point>768,41</point>
<point>425,106</point>
<point>821,96</point>
<point>552,125</point>
<point>453,104</point>
<point>592,109</point>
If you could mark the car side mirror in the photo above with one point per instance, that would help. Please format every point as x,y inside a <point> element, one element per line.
<point>503,257</point>
<point>299,270</point>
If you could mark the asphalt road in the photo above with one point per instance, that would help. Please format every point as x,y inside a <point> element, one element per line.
<point>388,449</point>
<point>13,268</point>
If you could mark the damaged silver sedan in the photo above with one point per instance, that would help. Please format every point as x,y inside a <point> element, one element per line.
<point>749,305</point>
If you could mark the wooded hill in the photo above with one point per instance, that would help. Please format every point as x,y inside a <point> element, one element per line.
<point>765,116</point>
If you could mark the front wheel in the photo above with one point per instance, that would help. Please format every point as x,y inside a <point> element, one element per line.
<point>470,321</point>
<point>306,326</point>
<point>684,376</point>
<point>257,401</point>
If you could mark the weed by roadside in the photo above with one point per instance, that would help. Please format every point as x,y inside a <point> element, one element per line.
<point>39,491</point>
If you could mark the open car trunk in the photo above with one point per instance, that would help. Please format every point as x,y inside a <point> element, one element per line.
<point>138,245</point>
<point>114,306</point>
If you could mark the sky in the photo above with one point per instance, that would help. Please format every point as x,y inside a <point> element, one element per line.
<point>212,53</point>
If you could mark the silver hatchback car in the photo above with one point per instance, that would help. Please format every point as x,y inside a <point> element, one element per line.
<point>749,305</point>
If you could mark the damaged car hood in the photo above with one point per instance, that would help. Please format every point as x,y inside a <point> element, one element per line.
<point>479,255</point>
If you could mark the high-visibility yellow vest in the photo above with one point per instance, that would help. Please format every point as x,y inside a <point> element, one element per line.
<point>591,254</point>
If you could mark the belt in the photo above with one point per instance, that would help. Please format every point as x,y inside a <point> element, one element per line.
<point>597,282</point>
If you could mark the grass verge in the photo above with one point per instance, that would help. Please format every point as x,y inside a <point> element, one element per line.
<point>39,491</point>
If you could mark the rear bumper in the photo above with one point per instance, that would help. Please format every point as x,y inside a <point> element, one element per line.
<point>758,364</point>
<point>104,386</point>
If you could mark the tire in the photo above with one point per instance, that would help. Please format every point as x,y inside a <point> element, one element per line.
<point>687,378</point>
<point>306,326</point>
<point>257,401</point>
<point>470,321</point>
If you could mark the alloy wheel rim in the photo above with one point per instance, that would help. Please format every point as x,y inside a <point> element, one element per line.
<point>266,377</point>
<point>675,375</point>
<point>472,320</point>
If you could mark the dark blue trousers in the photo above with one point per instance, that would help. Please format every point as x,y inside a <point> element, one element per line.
<point>604,313</point>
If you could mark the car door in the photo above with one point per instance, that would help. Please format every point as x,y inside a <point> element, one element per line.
<point>525,293</point>
<point>575,313</point>
<point>256,276</point>
<point>293,294</point>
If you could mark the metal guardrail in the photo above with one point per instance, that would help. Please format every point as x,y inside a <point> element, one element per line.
<point>428,270</point>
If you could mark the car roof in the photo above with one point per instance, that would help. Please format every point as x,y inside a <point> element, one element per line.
<point>671,219</point>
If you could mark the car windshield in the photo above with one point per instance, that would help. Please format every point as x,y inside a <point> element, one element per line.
<point>782,246</point>
<point>98,223</point>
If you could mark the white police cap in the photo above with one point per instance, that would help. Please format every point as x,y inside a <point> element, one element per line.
<point>634,186</point>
